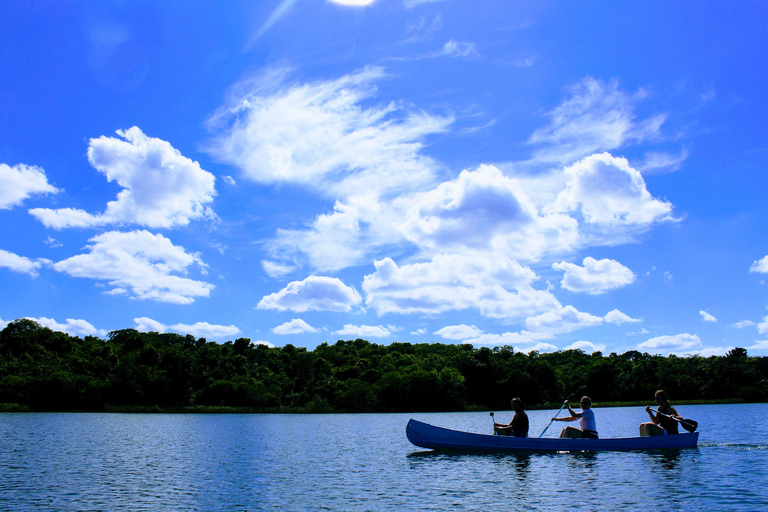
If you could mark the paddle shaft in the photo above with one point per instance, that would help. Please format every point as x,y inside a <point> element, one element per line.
<point>553,419</point>
<point>688,424</point>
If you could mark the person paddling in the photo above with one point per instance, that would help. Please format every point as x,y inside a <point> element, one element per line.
<point>664,420</point>
<point>518,427</point>
<point>586,419</point>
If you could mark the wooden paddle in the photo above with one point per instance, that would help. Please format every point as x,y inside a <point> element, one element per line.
<point>689,425</point>
<point>553,418</point>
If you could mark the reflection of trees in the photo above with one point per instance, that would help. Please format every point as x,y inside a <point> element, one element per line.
<point>49,370</point>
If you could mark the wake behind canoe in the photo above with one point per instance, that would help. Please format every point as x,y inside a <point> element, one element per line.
<point>429,436</point>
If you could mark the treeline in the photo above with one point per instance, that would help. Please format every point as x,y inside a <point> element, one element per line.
<point>41,369</point>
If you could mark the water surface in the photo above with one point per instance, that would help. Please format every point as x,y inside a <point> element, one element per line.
<point>53,461</point>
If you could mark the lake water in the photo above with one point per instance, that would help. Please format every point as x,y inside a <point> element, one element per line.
<point>53,461</point>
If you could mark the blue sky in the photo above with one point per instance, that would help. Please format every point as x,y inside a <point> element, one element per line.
<point>543,175</point>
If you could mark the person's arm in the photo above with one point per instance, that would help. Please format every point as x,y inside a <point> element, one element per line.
<point>654,418</point>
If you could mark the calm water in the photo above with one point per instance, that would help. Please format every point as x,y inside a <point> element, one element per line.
<point>365,462</point>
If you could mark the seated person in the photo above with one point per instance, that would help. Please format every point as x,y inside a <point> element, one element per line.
<point>518,427</point>
<point>661,424</point>
<point>586,419</point>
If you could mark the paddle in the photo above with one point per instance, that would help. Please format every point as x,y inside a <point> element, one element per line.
<point>689,425</point>
<point>493,420</point>
<point>553,418</point>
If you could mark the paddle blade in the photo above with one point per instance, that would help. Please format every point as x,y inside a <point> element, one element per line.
<point>690,425</point>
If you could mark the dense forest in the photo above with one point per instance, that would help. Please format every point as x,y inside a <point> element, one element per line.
<point>41,369</point>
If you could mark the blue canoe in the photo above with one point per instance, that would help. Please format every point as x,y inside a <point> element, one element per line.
<point>425,435</point>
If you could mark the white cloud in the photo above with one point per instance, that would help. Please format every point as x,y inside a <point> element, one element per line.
<point>713,351</point>
<point>563,319</point>
<point>456,49</point>
<point>276,269</point>
<point>759,345</point>
<point>469,242</point>
<point>144,324</point>
<point>353,3</point>
<point>542,348</point>
<point>610,195</point>
<point>73,327</point>
<point>760,266</point>
<point>586,346</point>
<point>206,330</point>
<point>315,293</point>
<point>318,135</point>
<point>707,317</point>
<point>664,345</point>
<point>419,332</point>
<point>295,326</point>
<point>596,116</point>
<point>198,329</point>
<point>21,181</point>
<point>141,264</point>
<point>744,323</point>
<point>522,341</point>
<point>364,331</point>
<point>618,318</point>
<point>3,324</point>
<point>456,282</point>
<point>762,327</point>
<point>21,264</point>
<point>161,188</point>
<point>459,332</point>
<point>661,163</point>
<point>595,277</point>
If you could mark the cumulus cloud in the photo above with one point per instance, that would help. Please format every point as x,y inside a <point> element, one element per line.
<point>21,181</point>
<point>295,326</point>
<point>586,346</point>
<point>665,345</point>
<point>364,331</point>
<point>161,187</point>
<point>198,329</point>
<point>459,332</point>
<point>315,293</point>
<point>342,148</point>
<point>595,277</point>
<point>523,341</point>
<point>21,264</point>
<point>455,282</point>
<point>563,319</point>
<point>743,323</point>
<point>618,318</point>
<point>73,327</point>
<point>762,327</point>
<point>468,242</point>
<point>760,266</point>
<point>707,317</point>
<point>139,264</point>
<point>610,196</point>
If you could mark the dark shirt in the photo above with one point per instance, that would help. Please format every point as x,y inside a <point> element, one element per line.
<point>520,424</point>
<point>667,424</point>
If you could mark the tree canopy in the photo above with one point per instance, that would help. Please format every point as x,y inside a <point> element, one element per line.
<point>46,370</point>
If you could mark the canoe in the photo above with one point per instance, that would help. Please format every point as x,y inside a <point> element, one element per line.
<point>425,435</point>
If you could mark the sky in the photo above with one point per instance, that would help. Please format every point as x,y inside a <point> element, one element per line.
<point>540,175</point>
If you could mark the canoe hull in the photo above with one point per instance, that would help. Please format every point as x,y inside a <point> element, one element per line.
<point>429,436</point>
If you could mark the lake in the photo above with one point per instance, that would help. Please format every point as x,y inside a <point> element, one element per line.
<point>63,461</point>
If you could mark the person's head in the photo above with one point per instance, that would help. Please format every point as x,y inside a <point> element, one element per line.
<point>517,404</point>
<point>586,402</point>
<point>661,397</point>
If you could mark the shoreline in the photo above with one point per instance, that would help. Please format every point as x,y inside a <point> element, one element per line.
<point>204,409</point>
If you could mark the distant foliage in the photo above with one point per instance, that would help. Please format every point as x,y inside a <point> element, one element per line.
<point>46,370</point>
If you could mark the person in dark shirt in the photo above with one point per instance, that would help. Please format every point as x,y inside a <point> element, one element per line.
<point>660,424</point>
<point>518,427</point>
